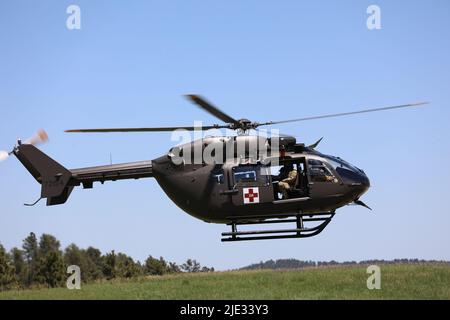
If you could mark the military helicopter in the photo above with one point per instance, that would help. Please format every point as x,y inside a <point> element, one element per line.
<point>241,186</point>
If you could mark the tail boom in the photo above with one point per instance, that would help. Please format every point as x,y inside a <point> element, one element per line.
<point>57,182</point>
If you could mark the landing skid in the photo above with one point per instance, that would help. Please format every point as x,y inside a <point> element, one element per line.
<point>300,231</point>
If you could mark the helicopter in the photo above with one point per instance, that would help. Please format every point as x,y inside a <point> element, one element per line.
<point>240,186</point>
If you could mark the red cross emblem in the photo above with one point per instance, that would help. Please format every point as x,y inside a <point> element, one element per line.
<point>251,195</point>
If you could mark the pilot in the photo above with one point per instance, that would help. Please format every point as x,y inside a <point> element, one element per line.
<point>289,182</point>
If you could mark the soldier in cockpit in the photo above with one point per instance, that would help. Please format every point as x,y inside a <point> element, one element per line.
<point>288,176</point>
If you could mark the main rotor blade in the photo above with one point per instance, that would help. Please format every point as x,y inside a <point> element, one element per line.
<point>160,129</point>
<point>344,113</point>
<point>205,105</point>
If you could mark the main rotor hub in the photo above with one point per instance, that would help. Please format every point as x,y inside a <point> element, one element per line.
<point>245,124</point>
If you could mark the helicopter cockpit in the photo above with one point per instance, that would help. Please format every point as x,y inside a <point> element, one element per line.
<point>313,175</point>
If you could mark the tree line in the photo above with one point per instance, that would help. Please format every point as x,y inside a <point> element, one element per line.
<point>42,262</point>
<point>299,264</point>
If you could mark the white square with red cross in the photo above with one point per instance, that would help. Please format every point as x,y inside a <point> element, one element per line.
<point>251,195</point>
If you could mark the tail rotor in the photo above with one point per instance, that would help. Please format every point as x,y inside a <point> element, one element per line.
<point>4,155</point>
<point>39,138</point>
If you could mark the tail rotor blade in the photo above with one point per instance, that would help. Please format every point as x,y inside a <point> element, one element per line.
<point>40,137</point>
<point>4,155</point>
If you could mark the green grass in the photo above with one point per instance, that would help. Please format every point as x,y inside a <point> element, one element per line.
<point>397,282</point>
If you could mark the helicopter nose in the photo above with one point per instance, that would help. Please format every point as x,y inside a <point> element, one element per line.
<point>365,181</point>
<point>364,184</point>
<point>359,184</point>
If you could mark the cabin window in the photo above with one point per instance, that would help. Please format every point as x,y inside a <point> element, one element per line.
<point>245,175</point>
<point>319,172</point>
<point>251,173</point>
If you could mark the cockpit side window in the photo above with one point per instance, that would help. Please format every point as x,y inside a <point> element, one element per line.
<point>319,172</point>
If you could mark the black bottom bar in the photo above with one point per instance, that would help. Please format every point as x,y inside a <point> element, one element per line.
<point>298,232</point>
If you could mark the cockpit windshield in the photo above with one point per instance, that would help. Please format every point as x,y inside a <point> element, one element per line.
<point>340,163</point>
<point>349,173</point>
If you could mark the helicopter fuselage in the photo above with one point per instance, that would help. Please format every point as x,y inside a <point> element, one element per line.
<point>240,188</point>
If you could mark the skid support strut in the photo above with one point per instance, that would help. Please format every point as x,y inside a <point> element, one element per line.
<point>317,222</point>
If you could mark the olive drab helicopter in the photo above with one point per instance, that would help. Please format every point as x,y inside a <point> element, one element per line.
<point>284,182</point>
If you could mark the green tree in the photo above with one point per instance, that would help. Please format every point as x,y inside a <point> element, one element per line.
<point>191,266</point>
<point>19,264</point>
<point>174,268</point>
<point>206,269</point>
<point>126,267</point>
<point>155,266</point>
<point>51,267</point>
<point>47,244</point>
<point>74,256</point>
<point>31,251</point>
<point>95,263</point>
<point>109,265</point>
<point>7,276</point>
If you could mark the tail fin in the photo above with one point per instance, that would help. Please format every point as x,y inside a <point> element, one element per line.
<point>53,177</point>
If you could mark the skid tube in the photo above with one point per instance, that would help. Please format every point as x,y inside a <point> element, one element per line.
<point>300,231</point>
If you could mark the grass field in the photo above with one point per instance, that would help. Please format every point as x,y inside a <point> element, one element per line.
<point>397,282</point>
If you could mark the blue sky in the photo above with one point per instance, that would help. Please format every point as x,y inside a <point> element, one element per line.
<point>265,60</point>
